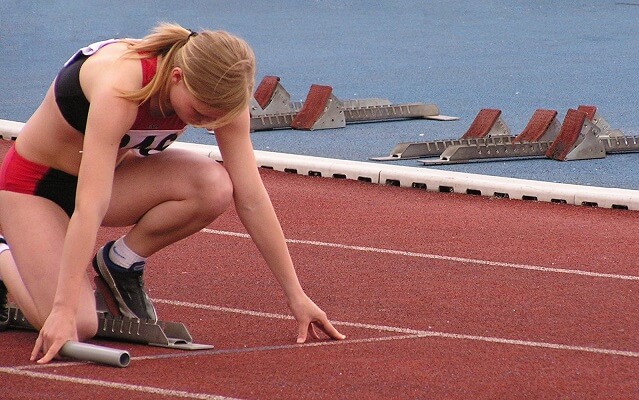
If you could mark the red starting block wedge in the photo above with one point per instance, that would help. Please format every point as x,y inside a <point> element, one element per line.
<point>542,126</point>
<point>487,123</point>
<point>321,110</point>
<point>271,98</point>
<point>577,139</point>
<point>589,110</point>
<point>265,90</point>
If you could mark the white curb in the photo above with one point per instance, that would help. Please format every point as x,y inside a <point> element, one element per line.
<point>429,179</point>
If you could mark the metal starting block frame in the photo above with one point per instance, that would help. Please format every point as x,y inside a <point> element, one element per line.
<point>172,335</point>
<point>487,128</point>
<point>575,140</point>
<point>434,148</point>
<point>584,135</point>
<point>160,333</point>
<point>271,108</point>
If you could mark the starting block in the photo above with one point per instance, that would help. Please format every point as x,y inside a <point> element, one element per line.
<point>542,124</point>
<point>577,139</point>
<point>487,128</point>
<point>583,135</point>
<point>593,116</point>
<point>161,333</point>
<point>272,108</point>
<point>488,123</point>
<point>321,110</point>
<point>270,97</point>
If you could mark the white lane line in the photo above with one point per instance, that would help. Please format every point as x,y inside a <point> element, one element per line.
<point>439,257</point>
<point>200,353</point>
<point>112,385</point>
<point>414,332</point>
<point>322,343</point>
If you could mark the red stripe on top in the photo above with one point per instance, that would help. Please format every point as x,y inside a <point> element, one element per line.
<point>144,119</point>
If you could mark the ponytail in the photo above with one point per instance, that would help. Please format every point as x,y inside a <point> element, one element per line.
<point>218,68</point>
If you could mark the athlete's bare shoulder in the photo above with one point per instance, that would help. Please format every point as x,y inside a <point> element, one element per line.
<point>111,67</point>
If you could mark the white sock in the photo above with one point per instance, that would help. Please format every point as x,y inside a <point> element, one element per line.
<point>123,256</point>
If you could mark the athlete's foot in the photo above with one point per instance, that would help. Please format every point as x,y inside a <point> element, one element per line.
<point>126,285</point>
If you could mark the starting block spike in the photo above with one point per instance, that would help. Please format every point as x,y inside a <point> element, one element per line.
<point>321,110</point>
<point>542,126</point>
<point>487,123</point>
<point>577,139</point>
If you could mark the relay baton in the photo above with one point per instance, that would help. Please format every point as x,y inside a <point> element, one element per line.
<point>97,354</point>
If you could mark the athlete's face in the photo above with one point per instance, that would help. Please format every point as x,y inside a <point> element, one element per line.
<point>187,107</point>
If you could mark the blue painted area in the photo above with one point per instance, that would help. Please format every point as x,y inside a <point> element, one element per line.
<point>463,56</point>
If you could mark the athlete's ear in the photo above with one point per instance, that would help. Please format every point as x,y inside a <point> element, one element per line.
<point>176,75</point>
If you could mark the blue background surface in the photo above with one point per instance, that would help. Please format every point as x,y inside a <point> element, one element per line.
<point>463,56</point>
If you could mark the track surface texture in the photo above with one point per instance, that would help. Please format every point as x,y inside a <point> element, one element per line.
<point>441,296</point>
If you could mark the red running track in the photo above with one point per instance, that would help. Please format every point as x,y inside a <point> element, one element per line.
<point>441,296</point>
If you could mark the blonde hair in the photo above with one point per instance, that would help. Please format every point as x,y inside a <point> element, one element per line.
<point>218,68</point>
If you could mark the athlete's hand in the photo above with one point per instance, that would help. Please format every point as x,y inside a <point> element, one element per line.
<point>309,316</point>
<point>59,328</point>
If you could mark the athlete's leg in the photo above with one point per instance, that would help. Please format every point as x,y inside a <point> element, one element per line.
<point>10,277</point>
<point>167,197</point>
<point>35,229</point>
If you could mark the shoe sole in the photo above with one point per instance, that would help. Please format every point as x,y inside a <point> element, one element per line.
<point>110,302</point>
<point>107,278</point>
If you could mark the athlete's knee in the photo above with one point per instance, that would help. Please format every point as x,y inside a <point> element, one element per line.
<point>214,190</point>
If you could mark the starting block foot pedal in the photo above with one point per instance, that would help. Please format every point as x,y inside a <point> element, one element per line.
<point>270,97</point>
<point>113,325</point>
<point>321,110</point>
<point>577,139</point>
<point>104,298</point>
<point>488,123</point>
<point>542,127</point>
<point>159,333</point>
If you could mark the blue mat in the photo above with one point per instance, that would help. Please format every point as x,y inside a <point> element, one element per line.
<point>516,56</point>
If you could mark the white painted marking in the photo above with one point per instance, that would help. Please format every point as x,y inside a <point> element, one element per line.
<point>112,385</point>
<point>440,257</point>
<point>415,332</point>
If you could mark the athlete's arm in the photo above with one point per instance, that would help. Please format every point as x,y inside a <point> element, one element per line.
<point>256,212</point>
<point>110,116</point>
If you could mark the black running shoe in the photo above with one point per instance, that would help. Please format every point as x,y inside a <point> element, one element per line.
<point>126,285</point>
<point>4,308</point>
